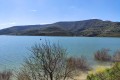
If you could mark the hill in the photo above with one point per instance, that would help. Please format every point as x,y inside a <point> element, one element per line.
<point>92,27</point>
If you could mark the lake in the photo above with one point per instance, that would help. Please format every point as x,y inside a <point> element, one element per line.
<point>14,49</point>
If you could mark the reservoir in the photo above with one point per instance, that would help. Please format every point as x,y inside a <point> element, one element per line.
<point>14,49</point>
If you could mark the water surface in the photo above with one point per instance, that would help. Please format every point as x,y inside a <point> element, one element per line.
<point>13,49</point>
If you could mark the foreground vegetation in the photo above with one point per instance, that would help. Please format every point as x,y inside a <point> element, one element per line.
<point>102,55</point>
<point>107,74</point>
<point>51,62</point>
<point>5,75</point>
<point>112,73</point>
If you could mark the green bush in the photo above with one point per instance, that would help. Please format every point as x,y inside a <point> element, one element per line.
<point>109,74</point>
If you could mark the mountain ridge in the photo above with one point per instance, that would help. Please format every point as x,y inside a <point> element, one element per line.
<point>91,27</point>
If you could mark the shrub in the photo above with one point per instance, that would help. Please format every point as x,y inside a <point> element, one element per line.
<point>116,56</point>
<point>80,63</point>
<point>23,76</point>
<point>5,75</point>
<point>102,55</point>
<point>108,74</point>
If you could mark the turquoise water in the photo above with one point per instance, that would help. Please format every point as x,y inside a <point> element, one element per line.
<point>13,49</point>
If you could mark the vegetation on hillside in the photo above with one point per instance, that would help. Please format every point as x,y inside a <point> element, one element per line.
<point>92,27</point>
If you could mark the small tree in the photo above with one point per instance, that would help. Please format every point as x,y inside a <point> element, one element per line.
<point>48,62</point>
<point>102,55</point>
<point>79,63</point>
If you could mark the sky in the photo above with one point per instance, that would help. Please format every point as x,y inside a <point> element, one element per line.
<point>31,12</point>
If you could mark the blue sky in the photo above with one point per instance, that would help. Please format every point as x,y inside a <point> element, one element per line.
<point>30,12</point>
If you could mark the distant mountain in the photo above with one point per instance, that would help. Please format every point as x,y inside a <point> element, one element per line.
<point>92,27</point>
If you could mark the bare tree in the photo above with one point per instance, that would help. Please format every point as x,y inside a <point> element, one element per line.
<point>102,55</point>
<point>79,63</point>
<point>116,56</point>
<point>48,62</point>
<point>5,75</point>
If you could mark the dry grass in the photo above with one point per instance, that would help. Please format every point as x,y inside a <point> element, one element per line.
<point>81,76</point>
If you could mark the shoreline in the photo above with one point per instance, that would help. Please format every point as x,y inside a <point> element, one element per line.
<point>95,68</point>
<point>66,36</point>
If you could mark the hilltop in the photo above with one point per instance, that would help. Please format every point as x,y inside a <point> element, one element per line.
<point>91,27</point>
